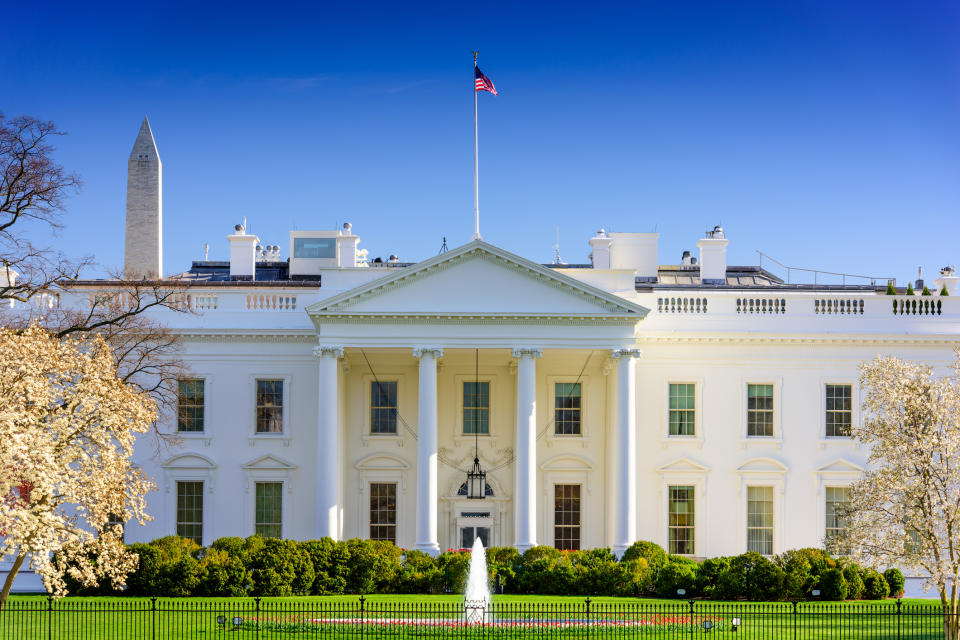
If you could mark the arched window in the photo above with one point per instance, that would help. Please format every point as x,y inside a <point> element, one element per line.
<point>487,491</point>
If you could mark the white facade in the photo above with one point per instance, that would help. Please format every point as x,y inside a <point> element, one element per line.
<point>479,313</point>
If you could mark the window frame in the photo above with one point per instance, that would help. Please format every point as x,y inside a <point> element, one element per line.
<point>209,411</point>
<point>396,508</point>
<point>777,436</point>
<point>697,438</point>
<point>763,472</point>
<point>203,507</point>
<point>283,510</point>
<point>579,526</point>
<point>855,411</point>
<point>693,527</point>
<point>189,466</point>
<point>826,494</point>
<point>774,537</point>
<point>285,422</point>
<point>459,381</point>
<point>204,408</point>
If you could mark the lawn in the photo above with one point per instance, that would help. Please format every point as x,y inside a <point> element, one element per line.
<point>440,617</point>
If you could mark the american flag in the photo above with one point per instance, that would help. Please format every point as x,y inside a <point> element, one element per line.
<point>482,82</point>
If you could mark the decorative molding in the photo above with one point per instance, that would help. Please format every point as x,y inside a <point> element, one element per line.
<point>326,350</point>
<point>582,320</point>
<point>825,339</point>
<point>626,353</point>
<point>245,335</point>
<point>419,352</point>
<point>527,352</point>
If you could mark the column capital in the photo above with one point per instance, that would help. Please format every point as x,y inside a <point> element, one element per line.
<point>419,352</point>
<point>527,352</point>
<point>328,350</point>
<point>626,353</point>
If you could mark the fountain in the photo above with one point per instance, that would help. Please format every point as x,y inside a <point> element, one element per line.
<point>476,600</point>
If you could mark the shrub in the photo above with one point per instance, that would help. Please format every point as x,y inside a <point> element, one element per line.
<point>875,586</point>
<point>535,570</point>
<point>501,566</point>
<point>833,586</point>
<point>596,572</point>
<point>453,567</point>
<point>798,579</point>
<point>943,291</point>
<point>926,291</point>
<point>280,567</point>
<point>708,575</point>
<point>910,291</point>
<point>167,567</point>
<point>636,578</point>
<point>851,573</point>
<point>372,565</point>
<point>890,290</point>
<point>419,573</point>
<point>223,574</point>
<point>653,553</point>
<point>895,581</point>
<point>330,566</point>
<point>678,573</point>
<point>751,576</point>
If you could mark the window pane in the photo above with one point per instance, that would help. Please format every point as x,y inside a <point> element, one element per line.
<point>269,509</point>
<point>683,413</point>
<point>383,407</point>
<point>383,511</point>
<point>681,525</point>
<point>566,509</point>
<point>476,407</point>
<point>567,408</point>
<point>190,511</point>
<point>269,406</point>
<point>760,410</point>
<point>839,408</point>
<point>190,404</point>
<point>838,498</point>
<point>760,520</point>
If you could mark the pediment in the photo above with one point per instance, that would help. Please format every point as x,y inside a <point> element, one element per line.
<point>381,462</point>
<point>189,461</point>
<point>268,461</point>
<point>478,280</point>
<point>840,466</point>
<point>683,465</point>
<point>762,465</point>
<point>567,462</point>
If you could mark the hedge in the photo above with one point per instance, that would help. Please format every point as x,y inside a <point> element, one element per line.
<point>172,566</point>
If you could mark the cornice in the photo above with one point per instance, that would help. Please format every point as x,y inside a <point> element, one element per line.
<point>249,336</point>
<point>474,318</point>
<point>865,340</point>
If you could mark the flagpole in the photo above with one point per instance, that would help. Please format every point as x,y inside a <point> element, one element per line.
<point>476,162</point>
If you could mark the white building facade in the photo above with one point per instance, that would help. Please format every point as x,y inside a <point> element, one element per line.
<point>702,406</point>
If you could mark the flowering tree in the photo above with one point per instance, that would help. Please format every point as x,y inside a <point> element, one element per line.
<point>67,428</point>
<point>906,509</point>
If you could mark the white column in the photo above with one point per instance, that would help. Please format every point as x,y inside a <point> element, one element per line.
<point>525,486</point>
<point>328,442</point>
<point>427,493</point>
<point>625,437</point>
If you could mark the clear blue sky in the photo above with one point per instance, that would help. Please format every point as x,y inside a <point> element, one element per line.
<point>824,133</point>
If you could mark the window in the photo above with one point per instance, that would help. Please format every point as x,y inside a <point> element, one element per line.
<point>189,405</point>
<point>190,511</point>
<point>838,498</point>
<point>269,406</point>
<point>566,518</point>
<point>314,247</point>
<point>383,511</point>
<point>114,520</point>
<point>681,520</point>
<point>760,520</point>
<point>269,509</point>
<point>760,410</point>
<point>683,409</point>
<point>476,407</point>
<point>383,407</point>
<point>566,413</point>
<point>839,410</point>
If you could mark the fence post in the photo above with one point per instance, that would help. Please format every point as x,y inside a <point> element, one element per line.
<point>49,617</point>
<point>899,603</point>
<point>153,617</point>
<point>693,625</point>
<point>794,620</point>
<point>362,625</point>
<point>587,601</point>
<point>257,606</point>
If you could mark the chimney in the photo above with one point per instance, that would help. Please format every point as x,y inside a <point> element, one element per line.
<point>713,257</point>
<point>243,254</point>
<point>949,279</point>
<point>636,252</point>
<point>347,247</point>
<point>600,250</point>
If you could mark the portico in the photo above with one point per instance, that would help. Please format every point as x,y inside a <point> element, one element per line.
<point>426,358</point>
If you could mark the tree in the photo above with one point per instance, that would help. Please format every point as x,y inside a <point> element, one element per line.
<point>67,428</point>
<point>906,509</point>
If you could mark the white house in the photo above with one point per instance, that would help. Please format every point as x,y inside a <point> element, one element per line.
<point>703,406</point>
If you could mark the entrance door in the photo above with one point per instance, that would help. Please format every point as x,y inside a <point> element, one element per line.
<point>470,533</point>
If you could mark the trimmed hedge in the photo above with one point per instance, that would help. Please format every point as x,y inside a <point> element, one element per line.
<point>172,566</point>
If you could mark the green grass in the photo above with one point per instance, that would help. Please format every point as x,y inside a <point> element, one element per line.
<point>518,617</point>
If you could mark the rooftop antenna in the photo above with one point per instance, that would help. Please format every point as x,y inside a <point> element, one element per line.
<point>443,247</point>
<point>206,251</point>
<point>556,249</point>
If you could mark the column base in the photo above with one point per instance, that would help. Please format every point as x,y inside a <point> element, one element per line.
<point>523,546</point>
<point>431,548</point>
<point>620,549</point>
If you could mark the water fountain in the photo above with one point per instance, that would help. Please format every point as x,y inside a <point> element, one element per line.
<point>476,600</point>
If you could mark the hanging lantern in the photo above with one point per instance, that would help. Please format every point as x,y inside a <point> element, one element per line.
<point>476,482</point>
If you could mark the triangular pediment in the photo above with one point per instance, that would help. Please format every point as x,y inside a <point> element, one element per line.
<point>762,465</point>
<point>840,466</point>
<point>478,280</point>
<point>268,461</point>
<point>683,465</point>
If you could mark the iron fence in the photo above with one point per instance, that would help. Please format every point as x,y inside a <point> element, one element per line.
<point>360,619</point>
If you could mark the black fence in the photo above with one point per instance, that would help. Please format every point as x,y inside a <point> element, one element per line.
<point>359,618</point>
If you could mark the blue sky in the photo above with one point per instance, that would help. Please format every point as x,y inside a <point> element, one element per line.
<point>824,133</point>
